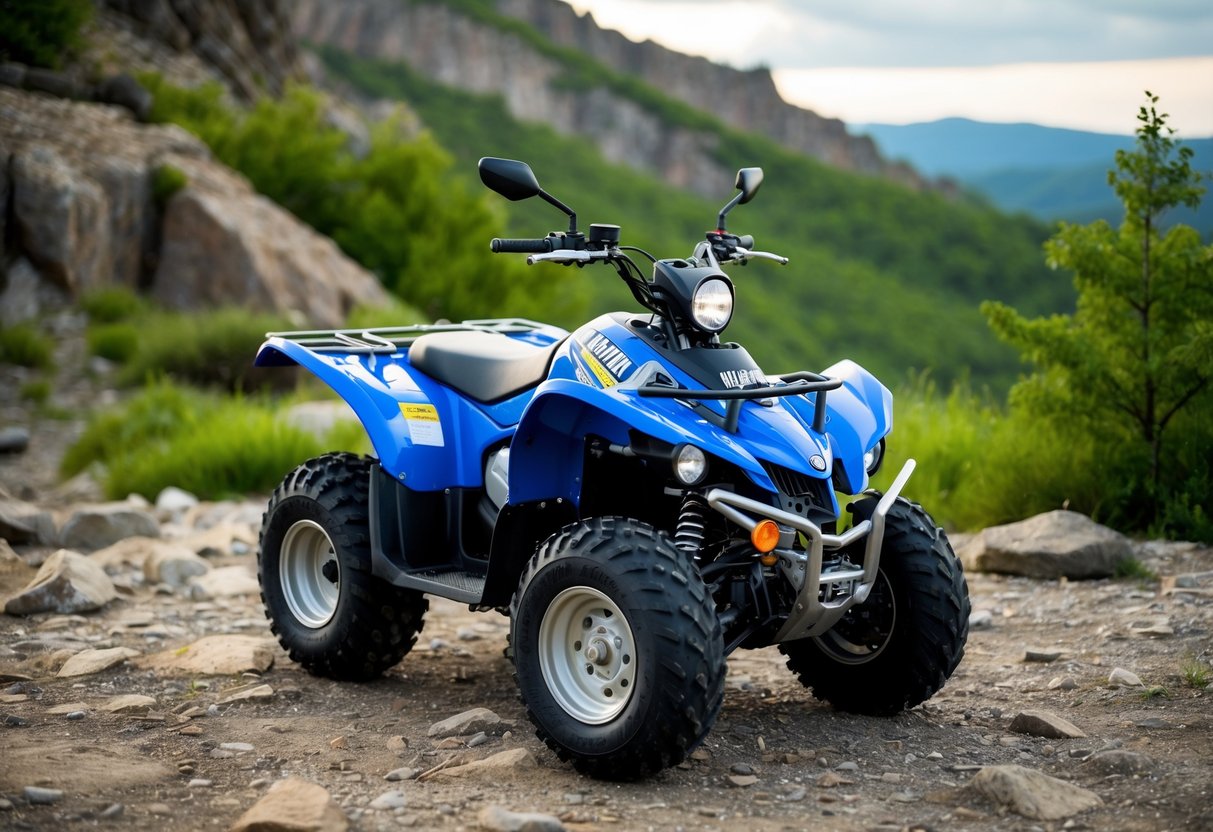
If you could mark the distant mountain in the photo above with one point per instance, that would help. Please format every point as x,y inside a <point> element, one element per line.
<point>1048,172</point>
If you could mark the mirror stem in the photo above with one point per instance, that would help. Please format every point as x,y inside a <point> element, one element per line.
<point>732,203</point>
<point>554,201</point>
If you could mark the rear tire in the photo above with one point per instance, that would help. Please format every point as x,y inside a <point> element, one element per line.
<point>899,647</point>
<point>617,649</point>
<point>326,608</point>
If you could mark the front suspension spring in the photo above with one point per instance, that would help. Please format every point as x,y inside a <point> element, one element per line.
<point>689,534</point>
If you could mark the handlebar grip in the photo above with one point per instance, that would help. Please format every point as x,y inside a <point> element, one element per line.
<point>507,246</point>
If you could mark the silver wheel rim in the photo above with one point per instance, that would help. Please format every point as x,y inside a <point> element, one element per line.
<point>310,595</point>
<point>848,650</point>
<point>587,655</point>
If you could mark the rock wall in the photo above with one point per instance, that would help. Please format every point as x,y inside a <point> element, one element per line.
<point>248,42</point>
<point>78,212</point>
<point>459,51</point>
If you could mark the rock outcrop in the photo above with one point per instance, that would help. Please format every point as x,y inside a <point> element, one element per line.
<point>1052,545</point>
<point>458,50</point>
<point>81,214</point>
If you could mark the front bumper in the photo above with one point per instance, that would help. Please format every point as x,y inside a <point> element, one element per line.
<point>822,598</point>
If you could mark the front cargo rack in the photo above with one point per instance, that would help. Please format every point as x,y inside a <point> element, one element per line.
<point>386,340</point>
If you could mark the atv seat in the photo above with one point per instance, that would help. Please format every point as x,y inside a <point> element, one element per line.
<point>487,366</point>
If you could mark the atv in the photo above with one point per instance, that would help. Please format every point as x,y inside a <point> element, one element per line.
<point>639,497</point>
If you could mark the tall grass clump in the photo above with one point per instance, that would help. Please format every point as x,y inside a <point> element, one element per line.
<point>213,446</point>
<point>25,346</point>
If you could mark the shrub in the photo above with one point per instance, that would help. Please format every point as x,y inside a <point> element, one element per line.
<point>166,181</point>
<point>395,313</point>
<point>211,445</point>
<point>116,342</point>
<point>38,32</point>
<point>112,304</point>
<point>37,391</point>
<point>25,346</point>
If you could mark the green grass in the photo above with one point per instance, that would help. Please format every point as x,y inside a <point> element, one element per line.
<point>1134,569</point>
<point>37,391</point>
<point>25,346</point>
<point>1195,673</point>
<point>211,445</point>
<point>112,304</point>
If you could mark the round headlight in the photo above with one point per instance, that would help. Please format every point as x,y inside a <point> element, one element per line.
<point>873,458</point>
<point>712,305</point>
<point>690,464</point>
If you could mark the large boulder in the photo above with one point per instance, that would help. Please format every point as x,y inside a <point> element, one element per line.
<point>222,243</point>
<point>68,582</point>
<point>96,527</point>
<point>1058,544</point>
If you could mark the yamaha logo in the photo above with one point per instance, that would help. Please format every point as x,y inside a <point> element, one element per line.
<point>818,462</point>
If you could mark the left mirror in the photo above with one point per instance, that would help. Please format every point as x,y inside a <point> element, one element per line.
<point>748,181</point>
<point>512,179</point>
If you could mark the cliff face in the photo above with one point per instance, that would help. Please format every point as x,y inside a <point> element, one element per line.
<point>458,50</point>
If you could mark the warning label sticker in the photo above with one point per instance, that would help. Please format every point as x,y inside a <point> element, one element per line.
<point>424,426</point>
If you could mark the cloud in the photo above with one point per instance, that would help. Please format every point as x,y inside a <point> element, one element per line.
<point>927,33</point>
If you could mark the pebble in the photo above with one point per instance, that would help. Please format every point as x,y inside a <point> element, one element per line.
<point>742,780</point>
<point>741,768</point>
<point>74,715</point>
<point>159,809</point>
<point>1044,724</point>
<point>981,619</point>
<point>14,721</point>
<point>1041,654</point>
<point>479,739</point>
<point>1062,683</point>
<point>398,774</point>
<point>236,746</point>
<point>200,783</point>
<point>388,801</point>
<point>6,805</point>
<point>39,796</point>
<point>1119,677</point>
<point>498,819</point>
<point>849,765</point>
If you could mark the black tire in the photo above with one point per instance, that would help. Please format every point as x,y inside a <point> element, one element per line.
<point>899,647</point>
<point>645,711</point>
<point>356,626</point>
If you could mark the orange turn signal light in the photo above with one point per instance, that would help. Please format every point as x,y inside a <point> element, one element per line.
<point>765,536</point>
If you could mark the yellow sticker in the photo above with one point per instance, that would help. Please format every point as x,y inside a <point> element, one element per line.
<point>421,412</point>
<point>600,372</point>
<point>425,428</point>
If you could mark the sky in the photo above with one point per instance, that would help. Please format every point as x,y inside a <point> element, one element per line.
<point>1082,64</point>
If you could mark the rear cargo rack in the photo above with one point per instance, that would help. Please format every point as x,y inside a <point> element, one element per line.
<point>386,340</point>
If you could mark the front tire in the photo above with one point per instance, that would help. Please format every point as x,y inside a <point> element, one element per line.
<point>326,608</point>
<point>899,647</point>
<point>617,649</point>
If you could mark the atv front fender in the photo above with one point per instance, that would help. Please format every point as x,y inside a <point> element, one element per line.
<point>859,414</point>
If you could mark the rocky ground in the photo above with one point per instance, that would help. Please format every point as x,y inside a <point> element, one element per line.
<point>150,694</point>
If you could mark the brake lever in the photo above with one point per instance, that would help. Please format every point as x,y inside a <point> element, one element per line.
<point>568,255</point>
<point>743,254</point>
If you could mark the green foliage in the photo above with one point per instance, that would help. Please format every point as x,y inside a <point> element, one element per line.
<point>25,346</point>
<point>210,445</point>
<point>396,210</point>
<point>395,313</point>
<point>116,342</point>
<point>1136,570</point>
<point>112,304</point>
<point>37,391</point>
<point>880,274</point>
<point>1195,673</point>
<point>1132,364</point>
<point>167,181</point>
<point>39,32</point>
<point>215,347</point>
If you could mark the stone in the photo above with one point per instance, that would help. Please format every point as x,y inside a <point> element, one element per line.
<point>293,805</point>
<point>501,764</point>
<point>14,440</point>
<point>22,522</point>
<point>1053,545</point>
<point>67,582</point>
<point>124,91</point>
<point>129,703</point>
<point>1117,761</point>
<point>225,582</point>
<point>398,774</point>
<point>27,297</point>
<point>469,722</point>
<point>1041,654</point>
<point>1032,794</point>
<point>1062,683</point>
<point>174,565</point>
<point>173,500</point>
<point>222,655</point>
<point>981,619</point>
<point>1044,724</point>
<point>66,708</point>
<point>1155,629</point>
<point>251,693</point>
<point>389,800</point>
<point>238,747</point>
<point>40,796</point>
<point>742,781</point>
<point>1121,678</point>
<point>221,540</point>
<point>94,661</point>
<point>95,527</point>
<point>498,819</point>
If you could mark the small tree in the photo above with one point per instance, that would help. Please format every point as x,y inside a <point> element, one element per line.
<point>1138,351</point>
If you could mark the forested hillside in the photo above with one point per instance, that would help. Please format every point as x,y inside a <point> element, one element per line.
<point>886,275</point>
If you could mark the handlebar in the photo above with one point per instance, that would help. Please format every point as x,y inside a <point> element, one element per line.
<point>541,245</point>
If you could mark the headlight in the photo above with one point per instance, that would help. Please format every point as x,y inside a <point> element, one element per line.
<point>712,305</point>
<point>690,464</point>
<point>873,458</point>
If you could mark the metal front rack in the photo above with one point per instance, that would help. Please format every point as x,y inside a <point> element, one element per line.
<point>386,340</point>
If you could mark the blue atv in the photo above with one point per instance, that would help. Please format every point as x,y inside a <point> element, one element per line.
<point>639,497</point>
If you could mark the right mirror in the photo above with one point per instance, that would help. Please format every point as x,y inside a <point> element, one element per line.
<point>748,181</point>
<point>512,179</point>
